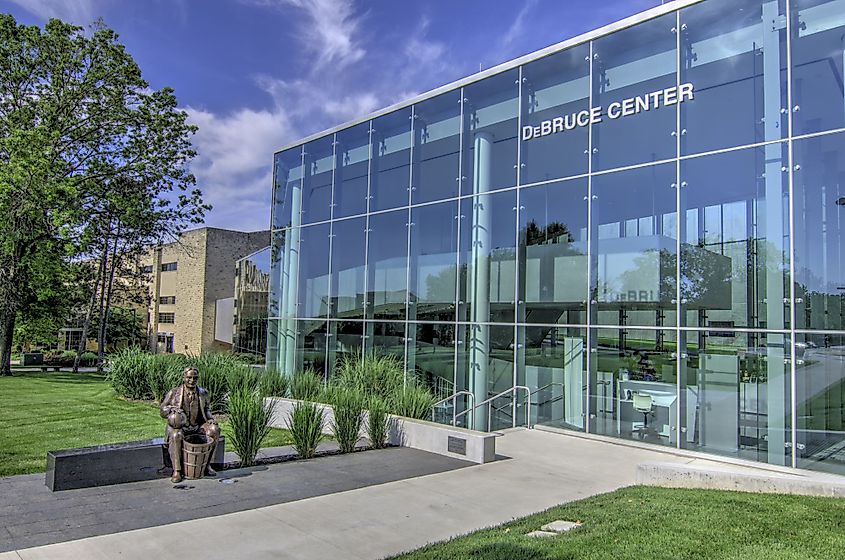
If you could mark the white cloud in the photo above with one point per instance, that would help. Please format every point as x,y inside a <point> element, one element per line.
<point>517,28</point>
<point>79,12</point>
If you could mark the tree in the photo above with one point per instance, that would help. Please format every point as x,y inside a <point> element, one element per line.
<point>79,129</point>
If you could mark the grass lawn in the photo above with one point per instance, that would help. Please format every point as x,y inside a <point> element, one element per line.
<point>645,523</point>
<point>41,412</point>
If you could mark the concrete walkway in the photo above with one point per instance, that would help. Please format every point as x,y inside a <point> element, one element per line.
<point>543,469</point>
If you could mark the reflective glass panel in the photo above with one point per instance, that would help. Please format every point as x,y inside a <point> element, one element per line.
<point>347,342</point>
<point>488,258</point>
<point>820,232</point>
<point>634,240</point>
<point>272,361</point>
<point>553,253</point>
<point>820,378</point>
<point>351,177</point>
<point>431,357</point>
<point>491,111</point>
<point>736,392</point>
<point>735,241</point>
<point>391,166</point>
<point>252,291</point>
<point>317,186</point>
<point>434,262</point>
<point>311,338</point>
<point>736,61</point>
<point>633,386</point>
<point>349,242</point>
<point>486,368</point>
<point>437,147</point>
<point>387,265</point>
<point>277,262</point>
<point>287,176</point>
<point>552,363</point>
<point>555,90</point>
<point>313,265</point>
<point>385,339</point>
<point>817,56</point>
<point>634,90</point>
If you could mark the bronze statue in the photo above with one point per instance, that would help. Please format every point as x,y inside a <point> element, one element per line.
<point>186,409</point>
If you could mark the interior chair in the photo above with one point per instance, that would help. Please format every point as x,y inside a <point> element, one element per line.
<point>645,405</point>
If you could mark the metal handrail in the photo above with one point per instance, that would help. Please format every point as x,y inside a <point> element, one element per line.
<point>547,385</point>
<point>469,395</point>
<point>489,400</point>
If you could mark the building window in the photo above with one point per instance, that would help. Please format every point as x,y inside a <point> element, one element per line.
<point>167,300</point>
<point>146,269</point>
<point>166,317</point>
<point>167,267</point>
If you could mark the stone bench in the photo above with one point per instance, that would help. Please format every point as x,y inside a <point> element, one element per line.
<point>114,463</point>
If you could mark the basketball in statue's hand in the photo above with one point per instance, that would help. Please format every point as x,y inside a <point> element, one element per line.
<point>176,420</point>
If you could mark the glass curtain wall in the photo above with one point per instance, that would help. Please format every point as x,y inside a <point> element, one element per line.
<point>636,236</point>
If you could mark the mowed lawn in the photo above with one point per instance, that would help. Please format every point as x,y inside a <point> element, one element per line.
<point>41,412</point>
<point>646,523</point>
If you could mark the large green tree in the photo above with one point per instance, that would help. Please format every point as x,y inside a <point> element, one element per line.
<point>79,128</point>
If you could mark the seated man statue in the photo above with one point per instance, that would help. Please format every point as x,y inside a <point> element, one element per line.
<point>186,409</point>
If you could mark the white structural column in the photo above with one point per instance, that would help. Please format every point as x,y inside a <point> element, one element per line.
<point>479,288</point>
<point>290,275</point>
<point>773,241</point>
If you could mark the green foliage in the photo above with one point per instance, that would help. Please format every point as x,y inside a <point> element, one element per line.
<point>249,416</point>
<point>414,401</point>
<point>242,378</point>
<point>348,418</point>
<point>273,384</point>
<point>377,423</point>
<point>128,373</point>
<point>88,359</point>
<point>306,385</point>
<point>373,374</point>
<point>214,369</point>
<point>164,373</point>
<point>305,423</point>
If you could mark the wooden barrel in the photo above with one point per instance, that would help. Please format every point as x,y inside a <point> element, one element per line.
<point>196,452</point>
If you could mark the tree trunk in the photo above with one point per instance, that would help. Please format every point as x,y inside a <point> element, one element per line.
<point>101,348</point>
<point>100,314</point>
<point>87,323</point>
<point>7,329</point>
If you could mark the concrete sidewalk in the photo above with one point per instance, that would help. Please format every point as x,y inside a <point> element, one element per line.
<point>542,470</point>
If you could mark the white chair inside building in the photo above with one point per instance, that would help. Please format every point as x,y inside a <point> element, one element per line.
<point>643,404</point>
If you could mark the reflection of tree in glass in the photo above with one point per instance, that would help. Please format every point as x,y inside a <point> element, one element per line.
<point>554,232</point>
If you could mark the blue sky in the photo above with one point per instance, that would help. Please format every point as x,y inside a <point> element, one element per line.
<point>257,74</point>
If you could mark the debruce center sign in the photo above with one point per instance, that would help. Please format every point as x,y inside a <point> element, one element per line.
<point>637,233</point>
<point>617,109</point>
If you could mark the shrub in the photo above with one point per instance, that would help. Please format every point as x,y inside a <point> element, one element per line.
<point>377,423</point>
<point>249,417</point>
<point>242,378</point>
<point>88,359</point>
<point>273,384</point>
<point>214,368</point>
<point>414,401</point>
<point>373,374</point>
<point>306,428</point>
<point>306,385</point>
<point>348,417</point>
<point>165,373</point>
<point>128,373</point>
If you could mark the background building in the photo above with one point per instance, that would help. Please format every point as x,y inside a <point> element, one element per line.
<point>252,288</point>
<point>192,286</point>
<point>637,233</point>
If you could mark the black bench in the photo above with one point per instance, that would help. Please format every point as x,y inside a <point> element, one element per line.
<point>114,463</point>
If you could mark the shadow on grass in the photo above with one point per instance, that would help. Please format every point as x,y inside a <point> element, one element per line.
<point>63,377</point>
<point>506,551</point>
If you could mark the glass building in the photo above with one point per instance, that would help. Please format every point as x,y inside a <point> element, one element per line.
<point>252,288</point>
<point>636,233</point>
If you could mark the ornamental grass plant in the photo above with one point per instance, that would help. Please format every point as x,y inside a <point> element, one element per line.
<point>348,418</point>
<point>214,369</point>
<point>164,373</point>
<point>414,401</point>
<point>305,424</point>
<point>128,373</point>
<point>249,416</point>
<point>379,375</point>
<point>273,383</point>
<point>377,423</point>
<point>306,385</point>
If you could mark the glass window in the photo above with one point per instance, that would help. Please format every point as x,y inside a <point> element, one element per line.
<point>820,378</point>
<point>553,253</point>
<point>349,242</point>
<point>434,262</point>
<point>391,167</point>
<point>287,176</point>
<point>488,258</point>
<point>313,261</point>
<point>633,386</point>
<point>310,348</point>
<point>317,185</point>
<point>820,232</point>
<point>735,240</point>
<point>169,267</point>
<point>736,395</point>
<point>491,110</point>
<point>552,363</point>
<point>555,90</point>
<point>635,91</point>
<point>347,341</point>
<point>387,263</point>
<point>634,256</point>
<point>486,368</point>
<point>431,357</point>
<point>351,177</point>
<point>736,61</point>
<point>817,55</point>
<point>437,147</point>
<point>278,273</point>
